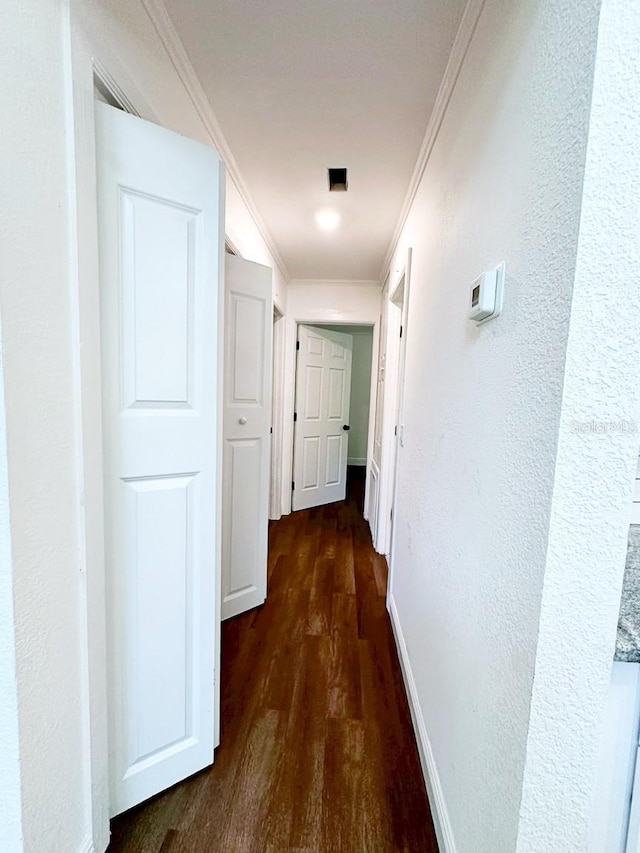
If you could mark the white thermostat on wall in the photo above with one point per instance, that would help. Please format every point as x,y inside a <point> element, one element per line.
<point>486,295</point>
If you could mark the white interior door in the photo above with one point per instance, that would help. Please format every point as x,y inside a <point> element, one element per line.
<point>247,446</point>
<point>160,227</point>
<point>323,389</point>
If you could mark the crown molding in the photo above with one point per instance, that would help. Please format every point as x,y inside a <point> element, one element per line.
<point>165,28</point>
<point>466,29</point>
<point>339,282</point>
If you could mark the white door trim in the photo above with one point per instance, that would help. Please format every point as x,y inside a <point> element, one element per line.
<point>277,391</point>
<point>88,64</point>
<point>397,316</point>
<point>325,316</point>
<point>404,286</point>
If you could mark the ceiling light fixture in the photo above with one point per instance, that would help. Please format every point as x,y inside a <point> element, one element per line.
<point>328,220</point>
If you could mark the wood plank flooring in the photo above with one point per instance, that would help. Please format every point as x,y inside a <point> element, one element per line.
<point>317,753</point>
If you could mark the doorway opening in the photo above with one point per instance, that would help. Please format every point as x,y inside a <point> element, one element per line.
<point>332,411</point>
<point>388,439</point>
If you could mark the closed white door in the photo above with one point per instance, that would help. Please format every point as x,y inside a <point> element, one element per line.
<point>247,446</point>
<point>160,225</point>
<point>323,390</point>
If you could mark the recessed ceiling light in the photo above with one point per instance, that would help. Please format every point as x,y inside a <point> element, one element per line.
<point>328,220</point>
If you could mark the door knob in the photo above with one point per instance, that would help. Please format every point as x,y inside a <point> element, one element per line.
<point>242,420</point>
<point>346,427</point>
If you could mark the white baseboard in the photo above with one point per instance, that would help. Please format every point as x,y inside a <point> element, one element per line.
<point>357,460</point>
<point>442,824</point>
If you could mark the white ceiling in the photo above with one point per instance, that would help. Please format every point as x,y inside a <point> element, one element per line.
<point>300,85</point>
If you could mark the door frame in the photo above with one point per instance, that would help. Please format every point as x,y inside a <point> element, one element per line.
<point>397,317</point>
<point>277,411</point>
<point>327,317</point>
<point>92,67</point>
<point>399,298</point>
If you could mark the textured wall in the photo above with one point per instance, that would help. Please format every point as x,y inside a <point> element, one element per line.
<point>595,467</point>
<point>483,405</point>
<point>53,402</point>
<point>36,308</point>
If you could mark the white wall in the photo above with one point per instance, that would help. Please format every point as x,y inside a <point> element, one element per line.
<point>500,509</point>
<point>329,303</point>
<point>247,239</point>
<point>594,471</point>
<point>360,397</point>
<point>36,305</point>
<point>49,311</point>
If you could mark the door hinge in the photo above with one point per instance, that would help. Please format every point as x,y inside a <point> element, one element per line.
<point>295,416</point>
<point>297,345</point>
<point>395,430</point>
<point>400,331</point>
<point>293,486</point>
<point>271,430</point>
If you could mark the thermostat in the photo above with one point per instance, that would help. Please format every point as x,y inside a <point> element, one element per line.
<point>486,295</point>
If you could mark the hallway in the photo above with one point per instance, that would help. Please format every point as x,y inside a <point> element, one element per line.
<point>318,753</point>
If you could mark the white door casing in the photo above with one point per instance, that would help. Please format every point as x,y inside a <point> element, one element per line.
<point>160,200</point>
<point>400,299</point>
<point>277,376</point>
<point>247,447</point>
<point>323,389</point>
<point>396,310</point>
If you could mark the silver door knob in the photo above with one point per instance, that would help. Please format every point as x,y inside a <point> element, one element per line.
<point>242,421</point>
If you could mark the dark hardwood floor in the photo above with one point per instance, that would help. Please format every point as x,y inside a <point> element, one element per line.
<point>317,753</point>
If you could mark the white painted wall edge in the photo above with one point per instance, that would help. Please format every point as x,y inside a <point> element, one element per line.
<point>11,831</point>
<point>277,409</point>
<point>397,318</point>
<point>87,846</point>
<point>439,813</point>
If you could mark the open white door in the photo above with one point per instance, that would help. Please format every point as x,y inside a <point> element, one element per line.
<point>160,227</point>
<point>323,390</point>
<point>247,447</point>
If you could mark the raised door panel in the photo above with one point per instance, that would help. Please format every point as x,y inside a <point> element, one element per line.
<point>242,460</point>
<point>246,350</point>
<point>312,410</point>
<point>311,462</point>
<point>335,406</point>
<point>159,665</point>
<point>335,445</point>
<point>315,346</point>
<point>158,244</point>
